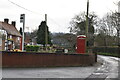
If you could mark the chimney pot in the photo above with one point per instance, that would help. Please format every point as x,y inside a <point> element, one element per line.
<point>13,23</point>
<point>6,20</point>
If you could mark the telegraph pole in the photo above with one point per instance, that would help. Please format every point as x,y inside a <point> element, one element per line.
<point>118,31</point>
<point>46,34</point>
<point>87,24</point>
<point>22,20</point>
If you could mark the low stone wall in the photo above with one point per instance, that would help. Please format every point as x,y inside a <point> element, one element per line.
<point>31,59</point>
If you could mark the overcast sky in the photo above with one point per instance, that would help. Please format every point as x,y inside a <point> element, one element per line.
<point>59,12</point>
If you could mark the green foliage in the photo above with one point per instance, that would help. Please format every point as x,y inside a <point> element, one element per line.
<point>32,48</point>
<point>41,34</point>
<point>35,48</point>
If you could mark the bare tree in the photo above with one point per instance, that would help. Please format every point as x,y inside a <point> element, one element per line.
<point>64,39</point>
<point>108,27</point>
<point>78,23</point>
<point>115,21</point>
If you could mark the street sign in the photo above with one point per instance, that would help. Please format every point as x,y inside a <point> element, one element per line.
<point>22,20</point>
<point>22,16</point>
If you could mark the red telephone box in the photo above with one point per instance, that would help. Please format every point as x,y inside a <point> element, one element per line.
<point>80,48</point>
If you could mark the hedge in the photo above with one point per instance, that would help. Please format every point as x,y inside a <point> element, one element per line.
<point>106,49</point>
<point>32,48</point>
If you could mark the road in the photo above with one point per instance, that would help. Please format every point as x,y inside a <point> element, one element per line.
<point>109,68</point>
<point>106,68</point>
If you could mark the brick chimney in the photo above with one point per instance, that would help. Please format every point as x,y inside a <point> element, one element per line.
<point>6,20</point>
<point>13,23</point>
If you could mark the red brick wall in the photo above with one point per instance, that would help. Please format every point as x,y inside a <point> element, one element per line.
<point>25,59</point>
<point>3,44</point>
<point>16,41</point>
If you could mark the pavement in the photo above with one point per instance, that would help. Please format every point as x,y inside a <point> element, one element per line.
<point>109,70</point>
<point>105,69</point>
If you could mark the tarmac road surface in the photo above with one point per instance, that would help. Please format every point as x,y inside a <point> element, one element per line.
<point>106,69</point>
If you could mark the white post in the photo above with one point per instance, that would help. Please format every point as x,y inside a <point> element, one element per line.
<point>22,19</point>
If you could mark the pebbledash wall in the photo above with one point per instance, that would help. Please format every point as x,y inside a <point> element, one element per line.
<point>31,59</point>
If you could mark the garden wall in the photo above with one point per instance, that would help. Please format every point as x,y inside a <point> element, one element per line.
<point>32,59</point>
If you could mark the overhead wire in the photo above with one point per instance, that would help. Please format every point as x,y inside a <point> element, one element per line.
<point>24,7</point>
<point>54,21</point>
<point>32,11</point>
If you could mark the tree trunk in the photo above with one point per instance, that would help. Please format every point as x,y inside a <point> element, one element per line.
<point>118,31</point>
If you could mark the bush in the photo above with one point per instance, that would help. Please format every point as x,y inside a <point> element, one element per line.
<point>32,48</point>
<point>105,49</point>
<point>108,51</point>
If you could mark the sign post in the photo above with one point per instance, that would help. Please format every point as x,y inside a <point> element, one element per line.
<point>22,20</point>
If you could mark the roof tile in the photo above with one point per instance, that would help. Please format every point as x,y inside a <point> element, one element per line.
<point>10,29</point>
